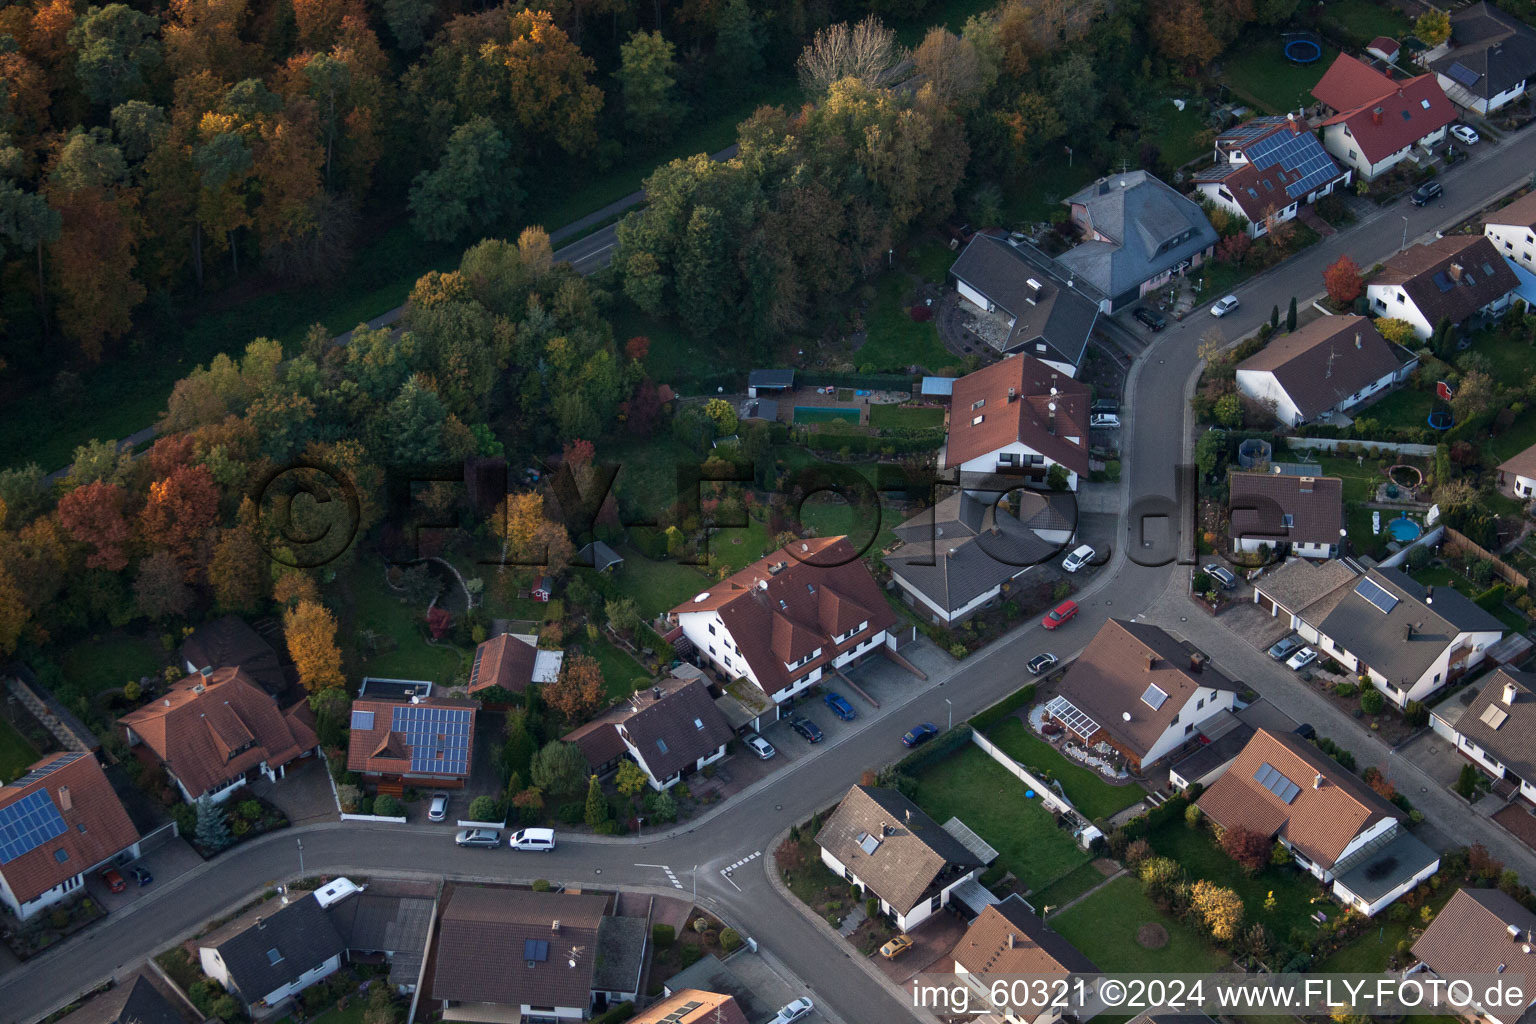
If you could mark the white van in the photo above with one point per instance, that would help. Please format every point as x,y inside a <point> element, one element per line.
<point>541,839</point>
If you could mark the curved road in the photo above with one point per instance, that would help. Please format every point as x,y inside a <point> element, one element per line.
<point>1157,435</point>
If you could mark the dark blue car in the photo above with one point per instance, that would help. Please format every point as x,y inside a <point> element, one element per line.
<point>840,707</point>
<point>920,734</point>
<point>806,728</point>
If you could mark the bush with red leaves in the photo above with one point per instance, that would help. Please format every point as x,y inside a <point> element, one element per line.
<point>922,314</point>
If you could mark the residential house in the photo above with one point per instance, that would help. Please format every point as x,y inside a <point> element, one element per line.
<point>883,843</point>
<point>213,732</point>
<point>1027,304</point>
<point>266,960</point>
<point>785,619</point>
<point>1222,738</point>
<point>423,741</point>
<point>769,383</point>
<point>1512,230</point>
<point>1454,278</point>
<point>955,558</point>
<point>1336,827</point>
<point>1384,48</point>
<point>231,642</point>
<point>1140,689</point>
<point>1497,730</point>
<point>676,734</point>
<point>600,557</point>
<point>621,946</point>
<point>1267,169</point>
<point>1378,121</point>
<point>136,999</point>
<point>1488,59</point>
<point>387,922</point>
<point>58,823</point>
<point>692,1006</point>
<point>1517,474</point>
<point>1329,366</point>
<point>484,932</point>
<point>543,589</point>
<point>1009,939</point>
<point>1409,639</point>
<point>1480,931</point>
<point>1016,419</point>
<point>1136,234</point>
<point>513,661</point>
<point>1287,514</point>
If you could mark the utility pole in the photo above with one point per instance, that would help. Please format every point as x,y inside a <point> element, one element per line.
<point>301,855</point>
<point>951,713</point>
<point>1405,234</point>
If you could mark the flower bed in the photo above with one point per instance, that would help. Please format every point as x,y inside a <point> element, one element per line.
<point>26,939</point>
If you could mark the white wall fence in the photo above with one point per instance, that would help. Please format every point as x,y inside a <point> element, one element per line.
<point>1348,446</point>
<point>392,819</point>
<point>1085,830</point>
<point>1429,539</point>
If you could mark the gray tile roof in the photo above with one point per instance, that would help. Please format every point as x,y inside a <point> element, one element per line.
<point>1389,867</point>
<point>1512,741</point>
<point>374,923</point>
<point>1055,314</point>
<point>913,857</point>
<point>771,379</point>
<point>1300,582</point>
<point>1139,213</point>
<point>1382,641</point>
<point>273,952</point>
<point>133,1001</point>
<point>674,732</point>
<point>1328,361</point>
<point>967,560</point>
<point>620,953</point>
<point>1497,48</point>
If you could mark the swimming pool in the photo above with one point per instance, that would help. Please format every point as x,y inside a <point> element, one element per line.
<point>1404,529</point>
<point>825,414</point>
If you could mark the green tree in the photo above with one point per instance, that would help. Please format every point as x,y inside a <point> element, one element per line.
<point>1290,315</point>
<point>559,769</point>
<point>407,20</point>
<point>738,49</point>
<point>722,414</point>
<point>212,825</point>
<point>1274,317</point>
<point>648,74</point>
<point>28,225</point>
<point>518,750</point>
<point>411,429</point>
<point>623,615</point>
<point>597,804</point>
<point>114,46</point>
<point>1433,27</point>
<point>631,778</point>
<point>1371,701</point>
<point>1209,451</point>
<point>471,187</point>
<point>1229,410</point>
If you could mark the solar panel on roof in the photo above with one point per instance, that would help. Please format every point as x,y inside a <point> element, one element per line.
<point>47,769</point>
<point>1297,152</point>
<point>1459,72</point>
<point>1493,716</point>
<point>1374,593</point>
<point>1272,779</point>
<point>362,720</point>
<point>27,824</point>
<point>1154,697</point>
<point>438,737</point>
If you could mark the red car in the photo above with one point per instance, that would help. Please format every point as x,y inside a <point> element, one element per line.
<point>113,879</point>
<point>1061,613</point>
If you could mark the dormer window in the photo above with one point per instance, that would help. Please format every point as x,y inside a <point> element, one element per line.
<point>976,420</point>
<point>978,404</point>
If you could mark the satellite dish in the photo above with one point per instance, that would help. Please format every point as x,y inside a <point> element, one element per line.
<point>1125,715</point>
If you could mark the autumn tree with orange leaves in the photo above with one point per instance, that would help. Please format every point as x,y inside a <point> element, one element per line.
<point>579,690</point>
<point>179,516</point>
<point>1343,280</point>
<point>310,629</point>
<point>96,515</point>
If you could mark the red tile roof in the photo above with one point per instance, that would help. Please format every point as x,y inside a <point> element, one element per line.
<point>1383,116</point>
<point>96,827</point>
<point>1384,44</point>
<point>380,751</point>
<point>1025,418</point>
<point>1350,82</point>
<point>505,661</point>
<point>209,730</point>
<point>782,607</point>
<point>693,1006</point>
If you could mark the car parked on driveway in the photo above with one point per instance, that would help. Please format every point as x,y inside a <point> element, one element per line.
<point>113,880</point>
<point>1064,612</point>
<point>1224,305</point>
<point>1104,421</point>
<point>1221,575</point>
<point>897,946</point>
<point>840,707</point>
<point>437,810</point>
<point>1041,663</point>
<point>1427,193</point>
<point>141,875</point>
<point>759,746</point>
<point>482,838</point>
<point>1466,134</point>
<point>1301,659</point>
<point>793,1011</point>
<point>1078,558</point>
<point>920,734</point>
<point>807,728</point>
<point>1150,318</point>
<point>1285,647</point>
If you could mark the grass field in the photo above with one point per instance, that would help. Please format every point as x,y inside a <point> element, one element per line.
<point>657,586</point>
<point>1181,135</point>
<point>1104,926</point>
<point>109,662</point>
<point>1520,436</point>
<point>1068,887</point>
<point>980,792</point>
<point>675,358</point>
<point>1260,74</point>
<point>895,341</point>
<point>1403,408</point>
<point>932,261</point>
<point>825,414</point>
<point>895,417</point>
<point>829,516</point>
<point>376,608</point>
<point>1367,19</point>
<point>1086,789</point>
<point>16,754</point>
<point>739,546</point>
<point>619,669</point>
<point>1036,197</point>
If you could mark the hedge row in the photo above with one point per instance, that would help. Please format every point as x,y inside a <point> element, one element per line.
<point>1144,825</point>
<point>1492,599</point>
<point>615,1014</point>
<point>940,747</point>
<point>987,718</point>
<point>916,441</point>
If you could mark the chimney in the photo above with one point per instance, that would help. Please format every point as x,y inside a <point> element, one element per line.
<point>66,802</point>
<point>1514,931</point>
<point>656,693</point>
<point>1456,272</point>
<point>1196,661</point>
<point>1151,661</point>
<point>1357,339</point>
<point>259,924</point>
<point>554,926</point>
<point>1010,940</point>
<point>950,553</point>
<point>1033,295</point>
<point>1376,116</point>
<point>1317,781</point>
<point>1407,631</point>
<point>1013,394</point>
<point>1509,701</point>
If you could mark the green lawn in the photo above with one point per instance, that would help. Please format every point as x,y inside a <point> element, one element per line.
<point>108,662</point>
<point>932,261</point>
<point>895,341</point>
<point>1104,926</point>
<point>739,546</point>
<point>1360,478</point>
<point>1086,789</point>
<point>675,358</point>
<point>657,586</point>
<point>1511,359</point>
<point>1036,197</point>
<point>1260,74</point>
<point>982,793</point>
<point>379,609</point>
<point>1181,135</point>
<point>1440,576</point>
<point>1403,408</point>
<point>1520,436</point>
<point>1366,19</point>
<point>830,516</point>
<point>895,417</point>
<point>1068,887</point>
<point>825,414</point>
<point>619,669</point>
<point>1200,857</point>
<point>16,754</point>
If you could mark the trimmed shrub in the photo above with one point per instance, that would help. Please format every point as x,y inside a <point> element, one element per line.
<point>663,935</point>
<point>484,808</point>
<point>387,806</point>
<point>541,885</point>
<point>1372,702</point>
<point>984,720</point>
<point>616,1014</point>
<point>730,939</point>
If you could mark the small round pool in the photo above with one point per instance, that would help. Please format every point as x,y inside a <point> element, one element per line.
<point>1404,529</point>
<point>1303,51</point>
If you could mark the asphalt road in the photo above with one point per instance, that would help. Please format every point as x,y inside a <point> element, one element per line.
<point>1157,432</point>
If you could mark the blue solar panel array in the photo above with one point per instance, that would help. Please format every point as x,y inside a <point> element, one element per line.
<point>1459,72</point>
<point>439,737</point>
<point>47,769</point>
<point>1300,153</point>
<point>27,824</point>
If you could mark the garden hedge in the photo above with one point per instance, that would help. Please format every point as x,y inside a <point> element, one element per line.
<point>987,718</point>
<point>940,747</point>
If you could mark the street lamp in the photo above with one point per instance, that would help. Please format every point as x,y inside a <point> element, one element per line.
<point>301,856</point>
<point>1405,233</point>
<point>639,826</point>
<point>1069,156</point>
<point>951,713</point>
<point>695,883</point>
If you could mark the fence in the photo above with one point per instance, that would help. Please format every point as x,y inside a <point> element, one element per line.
<point>1430,539</point>
<point>867,381</point>
<point>1349,447</point>
<point>1460,542</point>
<point>1082,829</point>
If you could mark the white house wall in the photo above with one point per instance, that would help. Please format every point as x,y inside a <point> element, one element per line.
<point>1179,733</point>
<point>1372,909</point>
<point>696,628</point>
<point>988,463</point>
<point>1515,241</point>
<point>1262,386</point>
<point>941,614</point>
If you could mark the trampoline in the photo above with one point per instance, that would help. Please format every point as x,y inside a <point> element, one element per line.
<point>1404,529</point>
<point>1440,419</point>
<point>1303,51</point>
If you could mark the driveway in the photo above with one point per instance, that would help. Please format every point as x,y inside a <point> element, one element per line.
<point>303,793</point>
<point>166,862</point>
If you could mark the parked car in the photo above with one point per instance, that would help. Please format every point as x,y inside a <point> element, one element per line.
<point>793,1012</point>
<point>1285,648</point>
<point>1077,559</point>
<point>1427,193</point>
<point>540,840</point>
<point>1305,730</point>
<point>759,746</point>
<point>1041,663</point>
<point>141,875</point>
<point>807,728</point>
<point>1221,576</point>
<point>840,707</point>
<point>1105,405</point>
<point>113,879</point>
<point>897,946</point>
<point>1224,305</point>
<point>484,838</point>
<point>1150,318</point>
<point>1466,134</point>
<point>920,734</point>
<point>437,810</point>
<point>1301,659</point>
<point>1064,612</point>
<point>1104,420</point>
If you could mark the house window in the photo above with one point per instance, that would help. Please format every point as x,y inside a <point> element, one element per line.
<point>711,649</point>
<point>936,902</point>
<point>1199,703</point>
<point>978,404</point>
<point>711,629</point>
<point>727,661</point>
<point>1008,459</point>
<point>1351,152</point>
<point>1286,519</point>
<point>976,420</point>
<point>1189,728</point>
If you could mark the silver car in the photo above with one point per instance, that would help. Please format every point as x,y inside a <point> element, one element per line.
<point>1301,659</point>
<point>793,1011</point>
<point>483,838</point>
<point>437,810</point>
<point>759,746</point>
